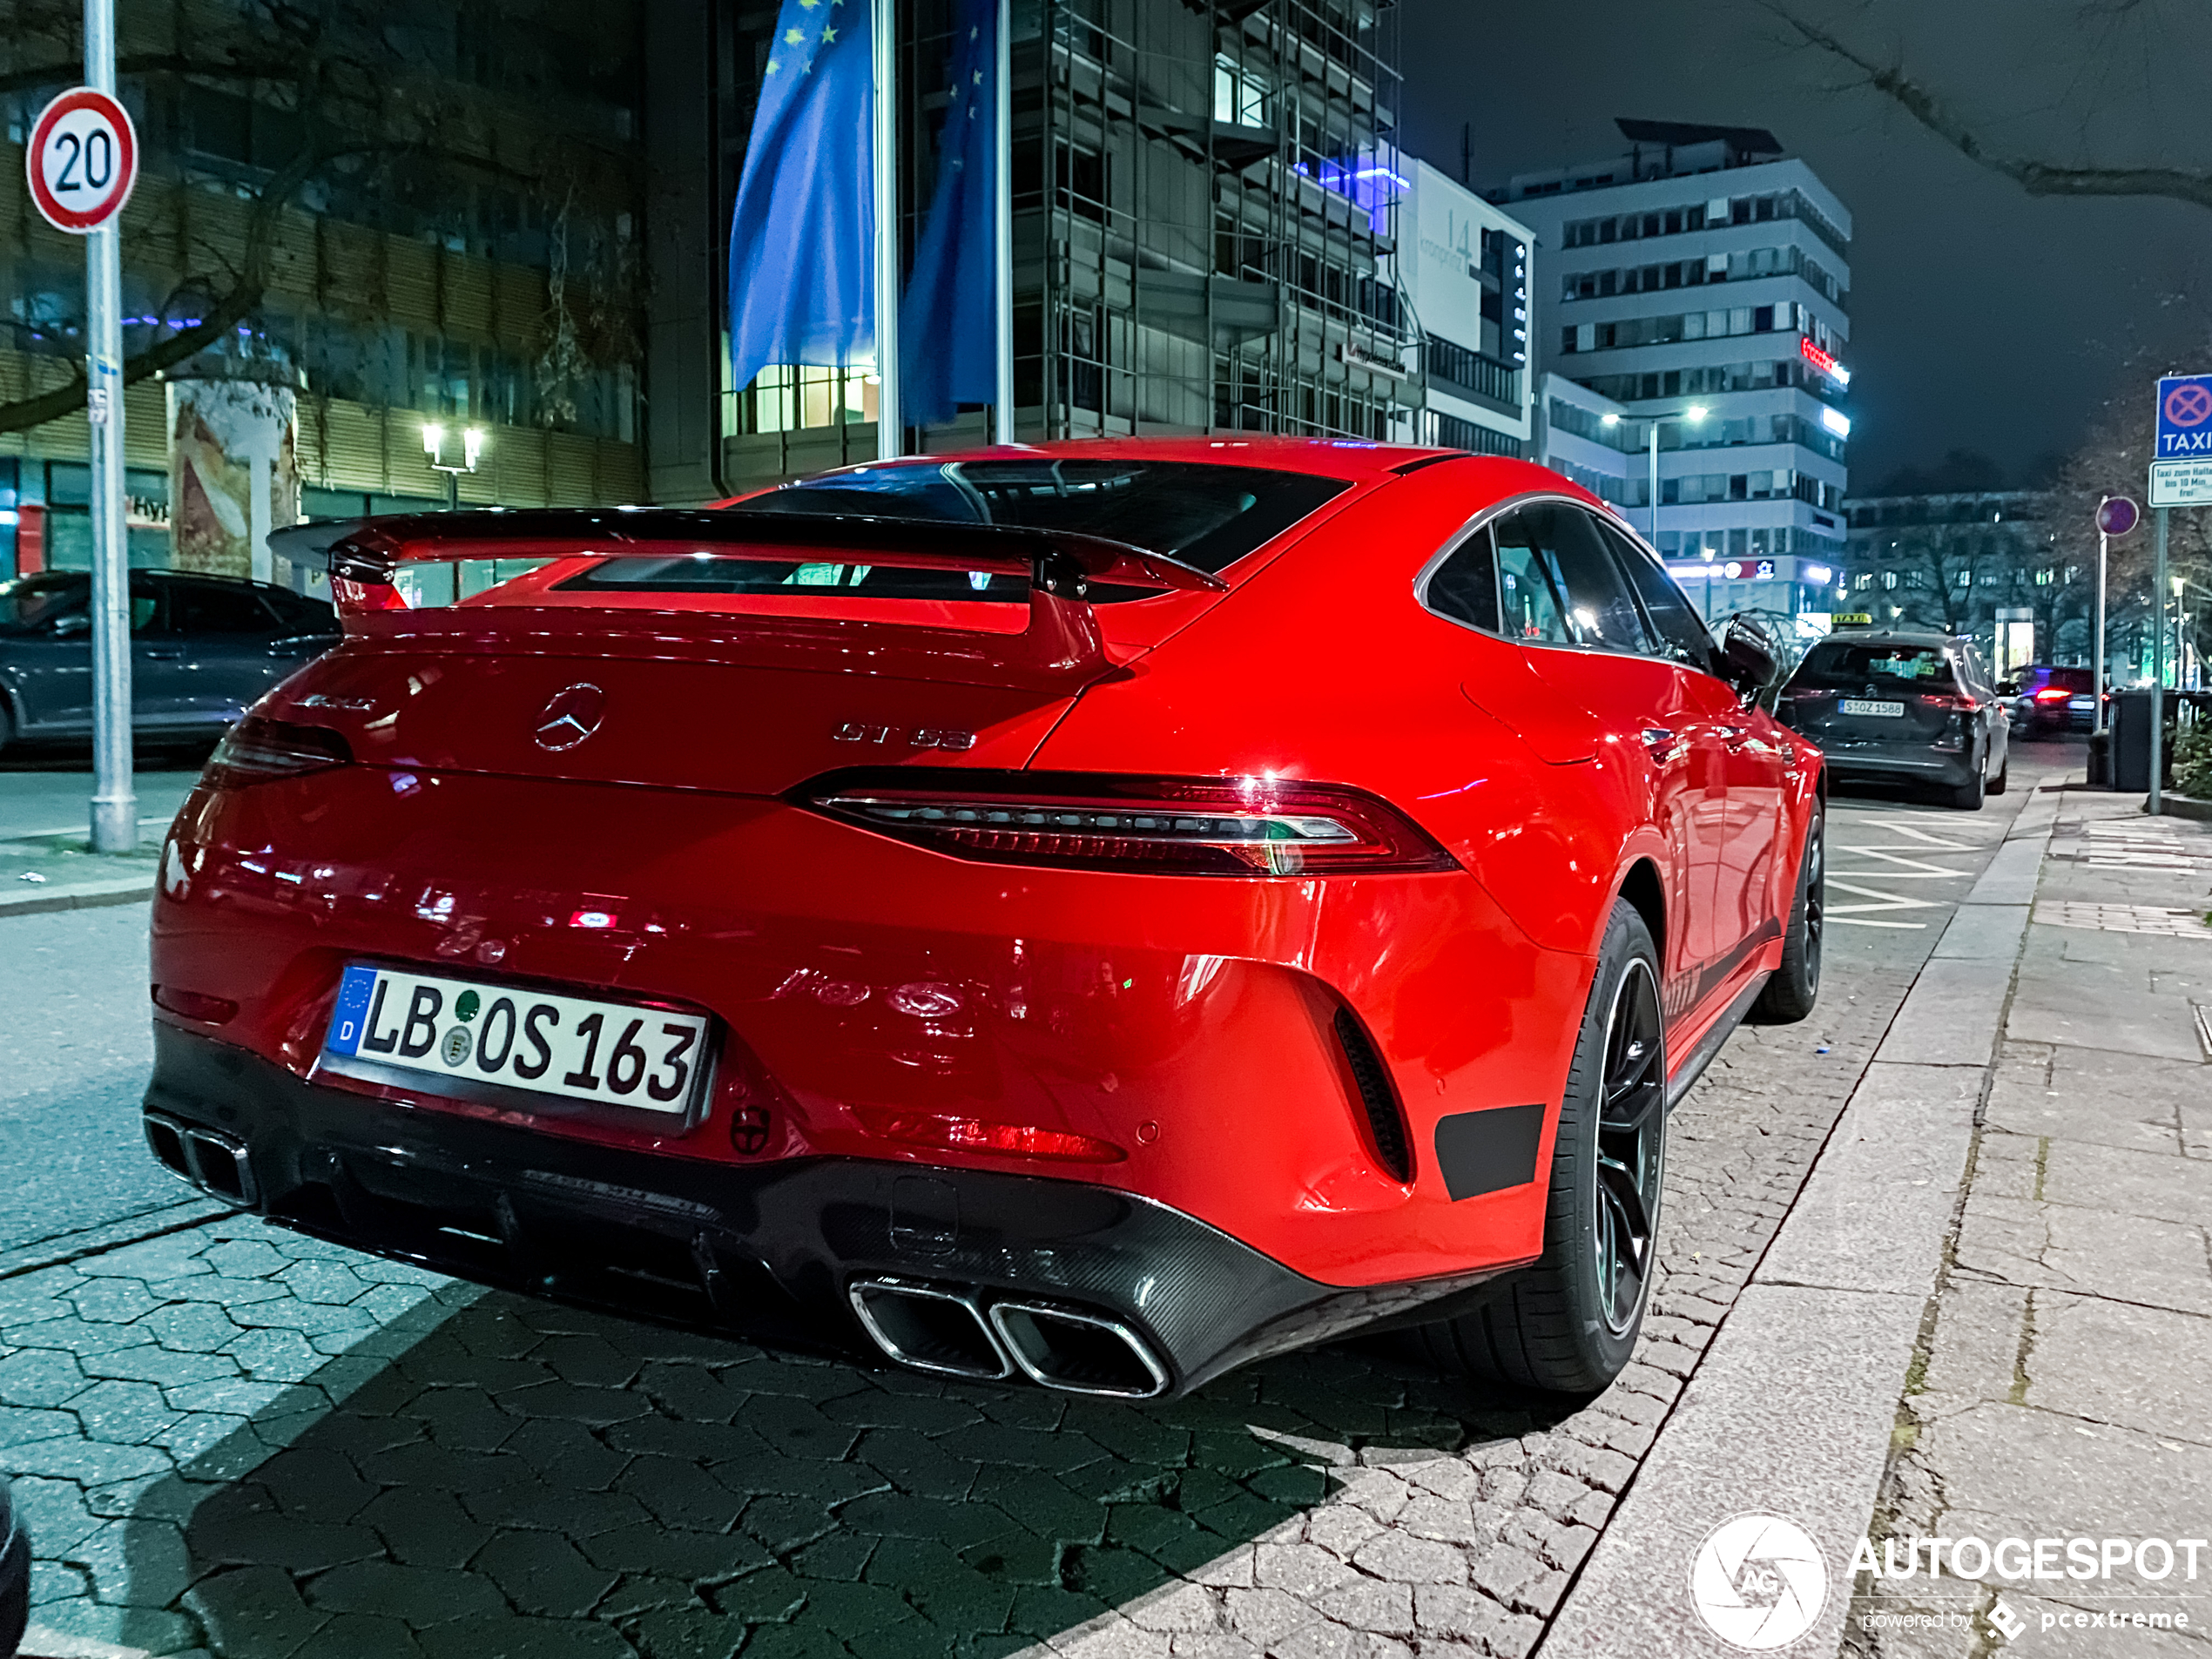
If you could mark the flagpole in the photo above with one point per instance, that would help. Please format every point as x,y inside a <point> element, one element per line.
<point>890,427</point>
<point>1003,227</point>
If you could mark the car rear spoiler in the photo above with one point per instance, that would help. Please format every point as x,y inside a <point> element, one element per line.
<point>1060,643</point>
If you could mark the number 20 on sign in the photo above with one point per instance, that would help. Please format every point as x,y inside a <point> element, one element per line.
<point>82,160</point>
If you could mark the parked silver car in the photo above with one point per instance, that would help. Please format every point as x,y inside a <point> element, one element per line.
<point>203,649</point>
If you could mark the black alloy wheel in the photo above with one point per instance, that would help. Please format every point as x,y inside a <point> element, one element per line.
<point>1631,1148</point>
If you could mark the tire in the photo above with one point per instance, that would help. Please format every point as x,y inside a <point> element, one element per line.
<point>1567,1324</point>
<point>15,1577</point>
<point>7,728</point>
<point>1996,786</point>
<point>1793,987</point>
<point>1968,797</point>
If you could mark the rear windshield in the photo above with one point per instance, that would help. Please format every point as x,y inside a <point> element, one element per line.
<point>1205,515</point>
<point>2073,679</point>
<point>30,604</point>
<point>1834,667</point>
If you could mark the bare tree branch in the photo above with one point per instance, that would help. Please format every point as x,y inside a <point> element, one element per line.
<point>67,73</point>
<point>2036,178</point>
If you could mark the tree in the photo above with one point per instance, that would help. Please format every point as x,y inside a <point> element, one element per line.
<point>1888,76</point>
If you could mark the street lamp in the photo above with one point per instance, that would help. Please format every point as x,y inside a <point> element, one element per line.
<point>433,445</point>
<point>1694,414</point>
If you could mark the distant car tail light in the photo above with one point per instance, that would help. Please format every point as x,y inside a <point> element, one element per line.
<point>258,749</point>
<point>2053,694</point>
<point>978,1135</point>
<point>1252,826</point>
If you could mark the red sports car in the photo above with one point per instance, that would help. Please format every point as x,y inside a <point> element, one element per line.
<point>1101,913</point>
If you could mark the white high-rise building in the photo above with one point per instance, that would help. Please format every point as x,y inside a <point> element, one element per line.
<point>1463,269</point>
<point>1700,280</point>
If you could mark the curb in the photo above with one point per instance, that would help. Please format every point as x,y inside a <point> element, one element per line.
<point>1792,1410</point>
<point>79,895</point>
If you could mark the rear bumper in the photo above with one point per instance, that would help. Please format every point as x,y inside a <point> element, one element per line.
<point>765,1251</point>
<point>1951,766</point>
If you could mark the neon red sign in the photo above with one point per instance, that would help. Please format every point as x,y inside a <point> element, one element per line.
<point>1821,360</point>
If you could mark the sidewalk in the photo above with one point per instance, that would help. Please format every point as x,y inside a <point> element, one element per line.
<point>2059,1388</point>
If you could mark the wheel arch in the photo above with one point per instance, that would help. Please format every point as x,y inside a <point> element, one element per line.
<point>1643,889</point>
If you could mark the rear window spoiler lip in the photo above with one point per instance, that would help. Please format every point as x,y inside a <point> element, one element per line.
<point>1061,563</point>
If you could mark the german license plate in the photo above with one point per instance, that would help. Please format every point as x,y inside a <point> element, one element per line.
<point>459,1031</point>
<point>1867,706</point>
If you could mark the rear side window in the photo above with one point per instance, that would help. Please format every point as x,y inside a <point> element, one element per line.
<point>1205,515</point>
<point>1833,667</point>
<point>1465,587</point>
<point>206,608</point>
<point>1558,584</point>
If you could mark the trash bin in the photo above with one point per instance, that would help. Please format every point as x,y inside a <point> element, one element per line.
<point>2129,753</point>
<point>2100,776</point>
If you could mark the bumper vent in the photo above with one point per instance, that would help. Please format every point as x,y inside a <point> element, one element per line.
<point>1385,1118</point>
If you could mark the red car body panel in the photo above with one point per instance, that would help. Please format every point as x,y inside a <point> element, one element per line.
<point>1189,1023</point>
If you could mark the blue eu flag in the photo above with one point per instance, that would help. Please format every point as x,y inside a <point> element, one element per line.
<point>802,238</point>
<point>948,329</point>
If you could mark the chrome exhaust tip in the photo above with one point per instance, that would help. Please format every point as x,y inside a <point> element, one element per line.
<point>930,1328</point>
<point>215,1162</point>
<point>1078,1353</point>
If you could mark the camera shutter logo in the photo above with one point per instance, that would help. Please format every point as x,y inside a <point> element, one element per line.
<point>1759,1581</point>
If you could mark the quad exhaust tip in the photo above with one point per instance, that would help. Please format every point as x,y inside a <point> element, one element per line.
<point>1078,1353</point>
<point>215,1162</point>
<point>933,1328</point>
<point>930,1328</point>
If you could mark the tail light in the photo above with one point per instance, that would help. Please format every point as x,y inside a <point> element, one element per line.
<point>2053,694</point>
<point>258,749</point>
<point>1946,700</point>
<point>1156,825</point>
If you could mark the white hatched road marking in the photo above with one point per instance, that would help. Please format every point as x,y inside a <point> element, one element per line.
<point>1898,862</point>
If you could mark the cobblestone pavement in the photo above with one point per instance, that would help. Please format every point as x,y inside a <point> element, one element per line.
<point>235,1439</point>
<point>2059,1388</point>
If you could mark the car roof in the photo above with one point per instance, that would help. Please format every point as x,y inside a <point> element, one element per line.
<point>1895,637</point>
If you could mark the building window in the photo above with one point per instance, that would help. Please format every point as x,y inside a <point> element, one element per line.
<point>1889,578</point>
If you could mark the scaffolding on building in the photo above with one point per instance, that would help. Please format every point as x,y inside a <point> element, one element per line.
<point>1204,202</point>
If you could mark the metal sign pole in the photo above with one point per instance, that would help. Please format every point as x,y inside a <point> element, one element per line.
<point>115,807</point>
<point>1002,227</point>
<point>2158,657</point>
<point>890,420</point>
<point>2097,632</point>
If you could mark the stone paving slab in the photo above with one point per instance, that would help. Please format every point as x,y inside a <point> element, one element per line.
<point>2058,1384</point>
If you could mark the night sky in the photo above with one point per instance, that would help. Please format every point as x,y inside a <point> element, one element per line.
<point>1982,318</point>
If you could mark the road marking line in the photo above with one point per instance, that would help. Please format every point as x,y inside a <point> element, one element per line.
<point>1868,921</point>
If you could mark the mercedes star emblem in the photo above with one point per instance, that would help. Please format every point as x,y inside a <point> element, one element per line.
<point>573,715</point>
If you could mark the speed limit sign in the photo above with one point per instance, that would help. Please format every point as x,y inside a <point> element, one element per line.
<point>82,160</point>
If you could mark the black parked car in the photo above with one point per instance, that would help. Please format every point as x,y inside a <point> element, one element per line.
<point>203,649</point>
<point>15,1576</point>
<point>2047,699</point>
<point>1902,707</point>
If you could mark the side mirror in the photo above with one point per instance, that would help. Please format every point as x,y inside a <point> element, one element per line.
<point>1747,660</point>
<point>72,625</point>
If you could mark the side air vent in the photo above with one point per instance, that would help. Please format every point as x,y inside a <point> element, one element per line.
<point>1385,1119</point>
